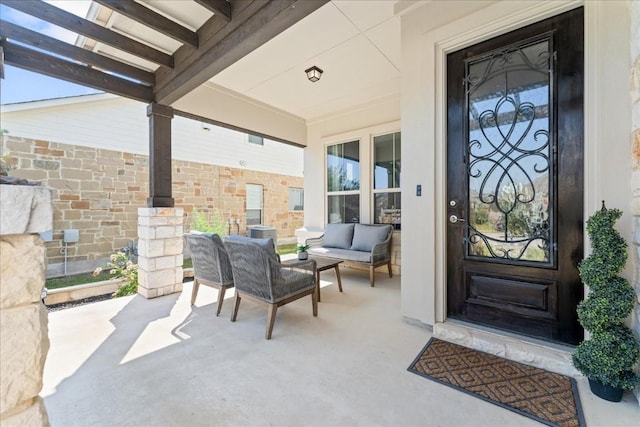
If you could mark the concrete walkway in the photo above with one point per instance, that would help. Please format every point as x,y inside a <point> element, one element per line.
<point>161,362</point>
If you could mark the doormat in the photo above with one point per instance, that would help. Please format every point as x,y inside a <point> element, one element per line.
<point>544,396</point>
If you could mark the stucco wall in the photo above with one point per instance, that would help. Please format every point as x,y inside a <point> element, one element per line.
<point>99,192</point>
<point>635,151</point>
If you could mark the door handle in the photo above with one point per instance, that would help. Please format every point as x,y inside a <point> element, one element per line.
<point>454,218</point>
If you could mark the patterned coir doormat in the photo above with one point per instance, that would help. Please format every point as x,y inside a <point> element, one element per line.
<point>544,396</point>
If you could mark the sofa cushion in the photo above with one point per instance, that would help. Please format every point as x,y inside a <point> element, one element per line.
<point>343,254</point>
<point>366,236</point>
<point>265,243</point>
<point>338,236</point>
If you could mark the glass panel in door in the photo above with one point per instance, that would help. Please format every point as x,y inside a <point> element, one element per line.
<point>509,155</point>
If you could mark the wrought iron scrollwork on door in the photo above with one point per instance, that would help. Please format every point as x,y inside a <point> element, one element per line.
<point>509,154</point>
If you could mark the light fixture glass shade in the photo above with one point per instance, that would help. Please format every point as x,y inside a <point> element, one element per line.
<point>313,73</point>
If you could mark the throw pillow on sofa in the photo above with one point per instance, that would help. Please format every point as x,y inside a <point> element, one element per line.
<point>366,236</point>
<point>338,236</point>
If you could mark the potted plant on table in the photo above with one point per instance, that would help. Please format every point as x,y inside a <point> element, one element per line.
<point>302,252</point>
<point>609,356</point>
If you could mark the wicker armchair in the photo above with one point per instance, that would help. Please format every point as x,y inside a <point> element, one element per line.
<point>259,276</point>
<point>210,265</point>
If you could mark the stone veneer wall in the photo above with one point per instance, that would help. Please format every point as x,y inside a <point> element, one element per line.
<point>635,137</point>
<point>24,341</point>
<point>396,258</point>
<point>99,191</point>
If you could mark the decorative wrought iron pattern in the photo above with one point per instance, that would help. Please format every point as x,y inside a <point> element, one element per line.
<point>509,154</point>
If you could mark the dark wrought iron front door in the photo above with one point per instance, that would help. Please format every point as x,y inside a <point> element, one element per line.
<point>515,186</point>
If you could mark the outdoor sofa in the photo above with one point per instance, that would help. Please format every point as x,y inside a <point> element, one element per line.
<point>356,243</point>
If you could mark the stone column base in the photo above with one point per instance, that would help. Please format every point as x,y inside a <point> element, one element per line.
<point>24,341</point>
<point>160,247</point>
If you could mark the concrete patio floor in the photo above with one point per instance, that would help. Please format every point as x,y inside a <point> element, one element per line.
<point>161,362</point>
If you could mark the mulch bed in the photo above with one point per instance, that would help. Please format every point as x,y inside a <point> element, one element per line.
<point>63,305</point>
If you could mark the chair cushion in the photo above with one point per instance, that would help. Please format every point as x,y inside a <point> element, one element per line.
<point>338,236</point>
<point>265,243</point>
<point>366,236</point>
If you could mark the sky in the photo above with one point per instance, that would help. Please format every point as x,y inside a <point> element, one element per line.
<point>20,85</point>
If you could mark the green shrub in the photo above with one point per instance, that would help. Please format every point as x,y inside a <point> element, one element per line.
<point>611,353</point>
<point>215,225</point>
<point>122,267</point>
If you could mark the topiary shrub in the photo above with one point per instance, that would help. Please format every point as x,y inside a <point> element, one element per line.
<point>609,356</point>
<point>611,353</point>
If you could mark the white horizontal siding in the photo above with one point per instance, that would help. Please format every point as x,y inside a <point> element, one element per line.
<point>227,147</point>
<point>122,125</point>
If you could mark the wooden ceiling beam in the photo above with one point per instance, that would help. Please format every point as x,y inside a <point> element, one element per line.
<point>38,62</point>
<point>251,27</point>
<point>152,19</point>
<point>71,22</point>
<point>219,7</point>
<point>40,41</point>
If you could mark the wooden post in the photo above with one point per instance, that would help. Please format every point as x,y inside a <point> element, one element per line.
<point>160,156</point>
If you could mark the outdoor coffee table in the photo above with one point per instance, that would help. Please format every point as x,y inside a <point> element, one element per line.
<point>323,264</point>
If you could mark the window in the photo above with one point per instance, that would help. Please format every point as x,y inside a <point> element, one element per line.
<point>343,182</point>
<point>258,140</point>
<point>296,199</point>
<point>386,179</point>
<point>254,204</point>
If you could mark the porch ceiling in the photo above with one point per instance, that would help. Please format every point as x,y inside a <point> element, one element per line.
<point>160,51</point>
<point>151,51</point>
<point>355,43</point>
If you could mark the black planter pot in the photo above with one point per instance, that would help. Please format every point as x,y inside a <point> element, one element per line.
<point>605,391</point>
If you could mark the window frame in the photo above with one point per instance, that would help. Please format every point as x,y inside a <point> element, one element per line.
<point>328,193</point>
<point>374,190</point>
<point>259,144</point>
<point>302,199</point>
<point>246,207</point>
<point>366,195</point>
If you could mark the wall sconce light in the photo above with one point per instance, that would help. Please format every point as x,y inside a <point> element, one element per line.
<point>313,73</point>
